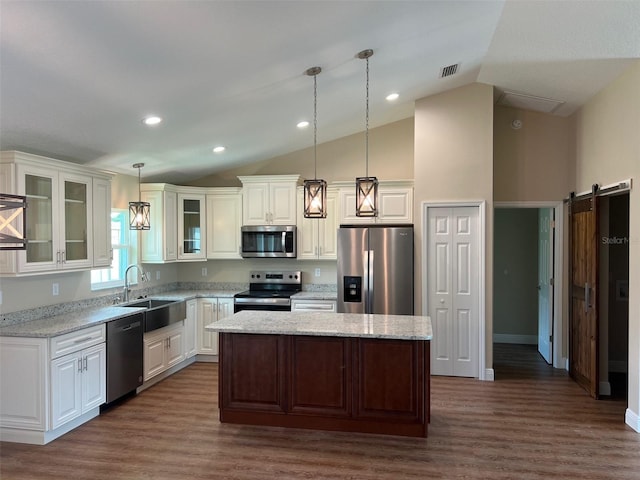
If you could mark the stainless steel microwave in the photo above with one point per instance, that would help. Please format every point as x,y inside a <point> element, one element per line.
<point>269,241</point>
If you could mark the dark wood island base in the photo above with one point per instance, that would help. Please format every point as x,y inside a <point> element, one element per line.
<point>346,384</point>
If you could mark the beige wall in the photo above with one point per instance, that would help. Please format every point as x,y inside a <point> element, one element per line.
<point>454,162</point>
<point>390,158</point>
<point>536,162</point>
<point>608,150</point>
<point>124,189</point>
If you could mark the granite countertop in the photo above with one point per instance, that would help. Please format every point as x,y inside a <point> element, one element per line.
<point>333,295</point>
<point>399,327</point>
<point>53,325</point>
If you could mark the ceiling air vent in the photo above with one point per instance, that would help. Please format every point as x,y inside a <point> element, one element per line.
<point>450,70</point>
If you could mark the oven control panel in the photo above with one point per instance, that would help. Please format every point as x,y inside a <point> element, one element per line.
<point>279,277</point>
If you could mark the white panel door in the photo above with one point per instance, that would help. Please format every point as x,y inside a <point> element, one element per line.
<point>94,377</point>
<point>66,389</point>
<point>545,288</point>
<point>453,289</point>
<point>207,314</point>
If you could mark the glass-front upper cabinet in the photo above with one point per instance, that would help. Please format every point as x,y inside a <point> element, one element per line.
<point>58,215</point>
<point>191,227</point>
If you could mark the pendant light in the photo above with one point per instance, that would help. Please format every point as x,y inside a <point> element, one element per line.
<point>139,212</point>
<point>366,187</point>
<point>315,191</point>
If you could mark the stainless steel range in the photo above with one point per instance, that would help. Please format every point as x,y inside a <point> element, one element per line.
<point>269,291</point>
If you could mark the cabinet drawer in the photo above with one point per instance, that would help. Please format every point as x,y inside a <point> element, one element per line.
<point>313,306</point>
<point>74,341</point>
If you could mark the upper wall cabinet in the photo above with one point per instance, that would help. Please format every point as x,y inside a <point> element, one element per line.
<point>317,237</point>
<point>192,229</point>
<point>395,202</point>
<point>224,219</point>
<point>60,214</point>
<point>269,199</point>
<point>160,243</point>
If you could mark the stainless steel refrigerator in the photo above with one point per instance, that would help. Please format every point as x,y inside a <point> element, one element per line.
<point>375,269</point>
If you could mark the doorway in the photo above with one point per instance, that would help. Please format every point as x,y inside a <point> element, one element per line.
<point>527,288</point>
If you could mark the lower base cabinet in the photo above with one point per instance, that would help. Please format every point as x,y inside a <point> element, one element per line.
<point>48,386</point>
<point>163,348</point>
<point>211,310</point>
<point>327,383</point>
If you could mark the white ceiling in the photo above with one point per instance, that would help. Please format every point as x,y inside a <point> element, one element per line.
<point>76,78</point>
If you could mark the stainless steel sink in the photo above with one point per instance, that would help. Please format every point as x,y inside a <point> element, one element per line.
<point>160,313</point>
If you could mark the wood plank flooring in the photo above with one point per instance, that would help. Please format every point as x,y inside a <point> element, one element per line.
<point>533,422</point>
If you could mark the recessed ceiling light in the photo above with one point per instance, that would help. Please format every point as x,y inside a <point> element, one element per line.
<point>219,149</point>
<point>303,124</point>
<point>152,120</point>
<point>392,96</point>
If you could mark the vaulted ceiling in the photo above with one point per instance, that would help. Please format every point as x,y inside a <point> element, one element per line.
<point>77,78</point>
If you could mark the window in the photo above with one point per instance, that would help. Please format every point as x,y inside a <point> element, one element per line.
<point>124,243</point>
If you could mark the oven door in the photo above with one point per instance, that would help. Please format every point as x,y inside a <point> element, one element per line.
<point>238,307</point>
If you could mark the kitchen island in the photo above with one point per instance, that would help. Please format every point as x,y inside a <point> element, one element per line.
<point>326,371</point>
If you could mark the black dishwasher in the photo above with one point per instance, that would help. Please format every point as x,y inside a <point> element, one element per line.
<point>124,355</point>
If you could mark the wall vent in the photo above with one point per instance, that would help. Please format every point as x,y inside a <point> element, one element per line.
<point>450,70</point>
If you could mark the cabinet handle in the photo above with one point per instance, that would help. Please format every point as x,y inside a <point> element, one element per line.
<point>64,256</point>
<point>86,364</point>
<point>82,340</point>
<point>111,254</point>
<point>80,365</point>
<point>58,256</point>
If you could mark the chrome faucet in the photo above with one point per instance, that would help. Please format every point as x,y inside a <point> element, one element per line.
<point>127,288</point>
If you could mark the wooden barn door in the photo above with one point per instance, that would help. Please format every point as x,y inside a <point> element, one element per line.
<point>583,308</point>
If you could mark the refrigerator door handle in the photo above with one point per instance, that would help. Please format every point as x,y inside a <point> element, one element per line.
<point>370,277</point>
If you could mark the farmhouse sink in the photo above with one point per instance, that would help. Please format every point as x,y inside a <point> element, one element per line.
<point>160,313</point>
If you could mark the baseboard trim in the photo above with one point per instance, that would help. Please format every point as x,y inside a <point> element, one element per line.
<point>38,437</point>
<point>489,375</point>
<point>520,339</point>
<point>605,389</point>
<point>632,419</point>
<point>167,373</point>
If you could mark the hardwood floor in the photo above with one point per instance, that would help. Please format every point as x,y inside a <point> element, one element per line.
<point>533,422</point>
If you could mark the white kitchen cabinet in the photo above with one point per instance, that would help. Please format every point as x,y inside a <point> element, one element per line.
<point>395,203</point>
<point>302,305</point>
<point>191,226</point>
<point>61,217</point>
<point>190,325</point>
<point>102,251</point>
<point>50,386</point>
<point>78,384</point>
<point>211,310</point>
<point>317,237</point>
<point>160,244</point>
<point>163,348</point>
<point>269,199</point>
<point>224,219</point>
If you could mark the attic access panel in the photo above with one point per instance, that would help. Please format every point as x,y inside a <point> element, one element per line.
<point>529,102</point>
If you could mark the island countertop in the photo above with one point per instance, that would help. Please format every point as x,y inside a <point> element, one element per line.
<point>399,327</point>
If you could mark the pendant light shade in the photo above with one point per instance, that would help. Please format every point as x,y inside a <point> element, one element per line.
<point>139,212</point>
<point>366,187</point>
<point>315,191</point>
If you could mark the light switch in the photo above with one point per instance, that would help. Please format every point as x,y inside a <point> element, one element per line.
<point>55,291</point>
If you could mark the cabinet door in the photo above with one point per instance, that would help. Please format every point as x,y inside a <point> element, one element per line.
<point>175,351</point>
<point>396,205</point>
<point>66,389</point>
<point>190,338</point>
<point>170,223</point>
<point>328,230</point>
<point>282,203</point>
<point>207,313</point>
<point>102,252</point>
<point>191,227</point>
<point>307,232</point>
<point>347,199</point>
<point>224,219</point>
<point>94,377</point>
<point>154,355</point>
<point>76,223</point>
<point>225,308</point>
<point>41,189</point>
<point>255,204</point>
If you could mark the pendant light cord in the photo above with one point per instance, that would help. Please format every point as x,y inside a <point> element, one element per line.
<point>315,126</point>
<point>139,190</point>
<point>366,141</point>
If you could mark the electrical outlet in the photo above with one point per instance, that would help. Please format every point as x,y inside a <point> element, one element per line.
<point>317,272</point>
<point>0,297</point>
<point>55,291</point>
<point>157,274</point>
<point>204,271</point>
